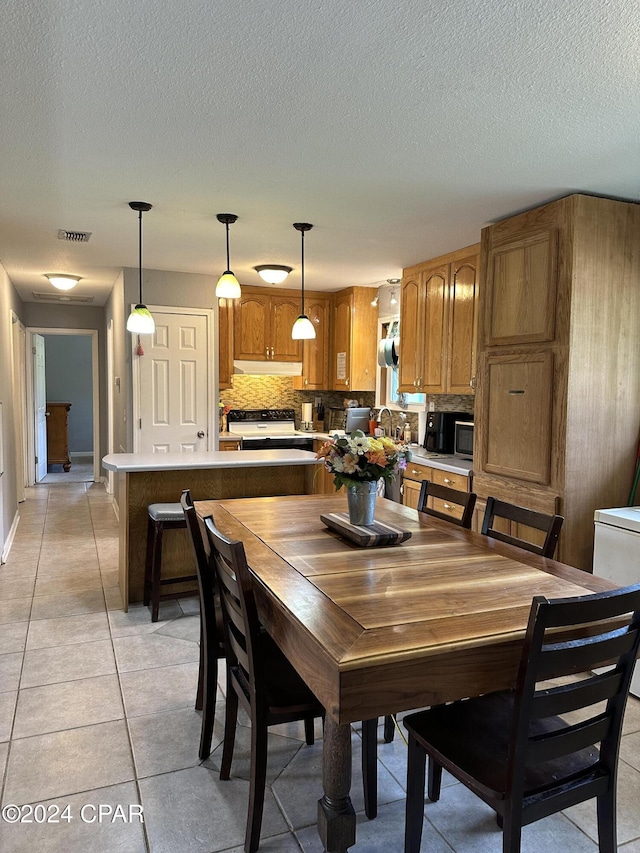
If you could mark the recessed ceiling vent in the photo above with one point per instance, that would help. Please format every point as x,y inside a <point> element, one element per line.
<point>62,297</point>
<point>74,236</point>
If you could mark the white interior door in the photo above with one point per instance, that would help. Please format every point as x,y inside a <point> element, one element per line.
<point>173,385</point>
<point>40,397</point>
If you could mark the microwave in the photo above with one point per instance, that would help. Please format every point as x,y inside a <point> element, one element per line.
<point>463,439</point>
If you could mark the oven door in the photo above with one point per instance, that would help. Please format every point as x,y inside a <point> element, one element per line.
<point>263,442</point>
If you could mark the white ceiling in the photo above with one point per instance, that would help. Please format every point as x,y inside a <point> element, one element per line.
<point>398,128</point>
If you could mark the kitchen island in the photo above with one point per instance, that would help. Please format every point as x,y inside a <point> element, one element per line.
<point>146,478</point>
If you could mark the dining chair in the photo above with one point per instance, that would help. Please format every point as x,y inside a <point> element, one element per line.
<point>262,680</point>
<point>452,498</point>
<point>211,626</point>
<point>532,751</point>
<point>549,524</point>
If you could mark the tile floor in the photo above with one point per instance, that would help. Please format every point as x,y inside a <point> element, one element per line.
<point>96,710</point>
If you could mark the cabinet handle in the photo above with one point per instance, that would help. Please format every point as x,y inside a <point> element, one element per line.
<point>448,506</point>
<point>271,352</point>
<point>346,381</point>
<point>447,480</point>
<point>306,381</point>
<point>516,391</point>
<point>267,352</point>
<point>417,473</point>
<point>472,382</point>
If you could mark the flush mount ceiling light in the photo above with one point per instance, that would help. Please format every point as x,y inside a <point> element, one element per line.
<point>303,327</point>
<point>228,286</point>
<point>273,273</point>
<point>63,281</point>
<point>140,320</point>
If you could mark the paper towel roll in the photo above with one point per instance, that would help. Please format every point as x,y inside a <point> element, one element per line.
<point>307,412</point>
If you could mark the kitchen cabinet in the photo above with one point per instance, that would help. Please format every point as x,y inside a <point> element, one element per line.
<point>558,382</point>
<point>354,341</point>
<point>438,324</point>
<point>262,325</point>
<point>226,444</point>
<point>58,434</point>
<point>225,343</point>
<point>414,474</point>
<point>315,353</point>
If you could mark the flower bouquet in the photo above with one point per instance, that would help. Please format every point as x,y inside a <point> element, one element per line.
<point>358,461</point>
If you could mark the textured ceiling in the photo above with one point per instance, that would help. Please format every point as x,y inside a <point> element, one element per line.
<point>396,128</point>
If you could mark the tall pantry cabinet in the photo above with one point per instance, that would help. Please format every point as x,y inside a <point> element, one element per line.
<point>558,376</point>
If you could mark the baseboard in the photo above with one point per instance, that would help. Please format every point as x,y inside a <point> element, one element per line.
<point>9,540</point>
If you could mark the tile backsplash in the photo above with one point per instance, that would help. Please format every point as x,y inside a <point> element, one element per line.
<point>277,392</point>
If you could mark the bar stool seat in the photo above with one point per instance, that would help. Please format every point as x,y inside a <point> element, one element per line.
<point>162,516</point>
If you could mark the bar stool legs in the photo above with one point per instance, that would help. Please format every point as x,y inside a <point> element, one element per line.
<point>162,517</point>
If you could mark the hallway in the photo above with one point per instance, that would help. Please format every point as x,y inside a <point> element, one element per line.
<point>96,707</point>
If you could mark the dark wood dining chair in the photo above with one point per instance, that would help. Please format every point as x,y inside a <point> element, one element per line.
<point>550,525</point>
<point>211,626</point>
<point>466,501</point>
<point>261,678</point>
<point>517,750</point>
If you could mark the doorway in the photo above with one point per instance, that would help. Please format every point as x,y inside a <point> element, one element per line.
<point>73,376</point>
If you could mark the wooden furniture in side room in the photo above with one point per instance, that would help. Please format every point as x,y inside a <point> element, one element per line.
<point>371,649</point>
<point>315,353</point>
<point>548,525</point>
<point>354,346</point>
<point>211,627</point>
<point>225,343</point>
<point>438,324</point>
<point>449,504</point>
<point>530,762</point>
<point>57,415</point>
<point>557,402</point>
<point>161,517</point>
<point>262,325</point>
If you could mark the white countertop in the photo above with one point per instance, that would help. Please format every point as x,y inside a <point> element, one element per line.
<point>454,464</point>
<point>208,459</point>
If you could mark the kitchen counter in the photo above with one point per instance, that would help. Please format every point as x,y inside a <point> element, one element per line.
<point>146,478</point>
<point>454,464</point>
<point>127,462</point>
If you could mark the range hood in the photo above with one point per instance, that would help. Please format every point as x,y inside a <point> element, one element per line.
<point>268,368</point>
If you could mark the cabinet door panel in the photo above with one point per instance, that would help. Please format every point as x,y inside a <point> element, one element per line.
<point>411,334</point>
<point>522,290</point>
<point>341,369</point>
<point>411,493</point>
<point>251,327</point>
<point>315,359</point>
<point>435,319</point>
<point>284,311</point>
<point>462,326</point>
<point>518,426</point>
<point>225,343</point>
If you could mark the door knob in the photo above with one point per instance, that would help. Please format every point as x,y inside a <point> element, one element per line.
<point>200,434</point>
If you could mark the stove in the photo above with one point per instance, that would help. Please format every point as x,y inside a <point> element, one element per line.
<point>267,429</point>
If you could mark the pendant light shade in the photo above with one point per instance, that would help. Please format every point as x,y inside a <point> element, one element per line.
<point>140,321</point>
<point>303,329</point>
<point>228,286</point>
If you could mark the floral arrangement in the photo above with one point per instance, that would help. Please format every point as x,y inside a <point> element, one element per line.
<point>361,458</point>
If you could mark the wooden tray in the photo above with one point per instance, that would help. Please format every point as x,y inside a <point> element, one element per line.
<point>378,533</point>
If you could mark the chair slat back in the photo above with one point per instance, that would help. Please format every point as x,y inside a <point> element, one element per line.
<point>568,637</point>
<point>239,611</point>
<point>465,500</point>
<point>550,525</point>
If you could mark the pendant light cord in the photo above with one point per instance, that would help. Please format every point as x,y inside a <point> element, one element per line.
<point>302,272</point>
<point>228,262</point>
<point>140,251</point>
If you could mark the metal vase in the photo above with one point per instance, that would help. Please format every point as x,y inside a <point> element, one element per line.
<point>361,500</point>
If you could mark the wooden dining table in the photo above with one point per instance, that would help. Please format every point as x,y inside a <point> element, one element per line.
<point>378,630</point>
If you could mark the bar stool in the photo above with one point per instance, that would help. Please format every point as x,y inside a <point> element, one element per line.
<point>162,517</point>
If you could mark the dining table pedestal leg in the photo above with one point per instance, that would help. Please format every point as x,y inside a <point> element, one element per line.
<point>336,817</point>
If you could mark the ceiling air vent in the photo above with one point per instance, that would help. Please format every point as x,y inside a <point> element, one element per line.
<point>74,236</point>
<point>62,297</point>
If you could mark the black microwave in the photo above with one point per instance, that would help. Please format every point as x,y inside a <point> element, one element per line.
<point>463,439</point>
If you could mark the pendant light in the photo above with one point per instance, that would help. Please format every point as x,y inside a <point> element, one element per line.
<point>303,329</point>
<point>140,320</point>
<point>228,286</point>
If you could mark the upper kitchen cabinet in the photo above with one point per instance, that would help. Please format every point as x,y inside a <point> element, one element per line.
<point>354,343</point>
<point>225,343</point>
<point>262,326</point>
<point>438,324</point>
<point>315,352</point>
<point>558,389</point>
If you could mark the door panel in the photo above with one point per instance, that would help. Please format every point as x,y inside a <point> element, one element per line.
<point>435,284</point>
<point>284,312</point>
<point>40,397</point>
<point>173,383</point>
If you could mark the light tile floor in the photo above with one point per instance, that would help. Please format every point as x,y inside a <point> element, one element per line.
<point>96,713</point>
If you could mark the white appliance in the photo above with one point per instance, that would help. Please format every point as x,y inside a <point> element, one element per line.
<point>268,429</point>
<point>616,553</point>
